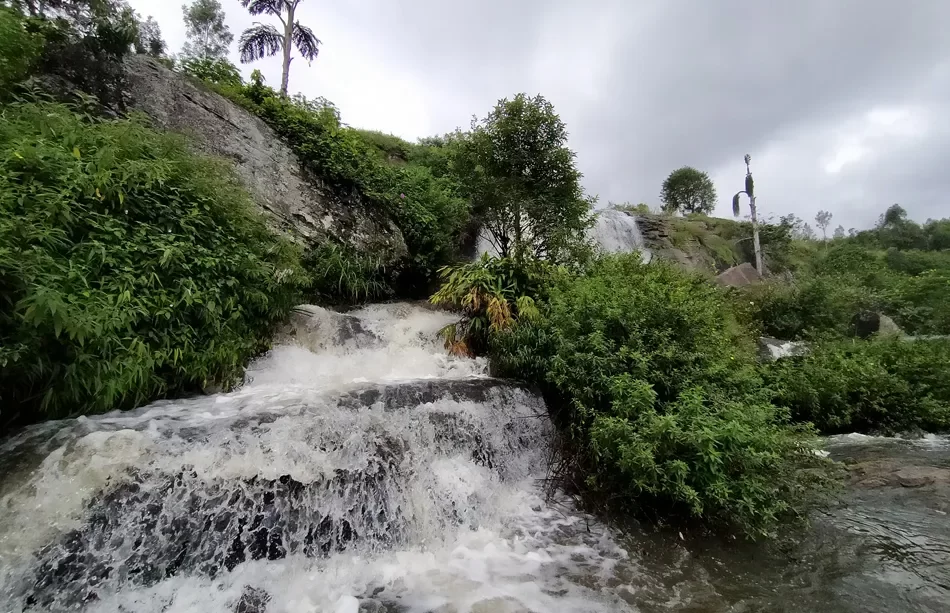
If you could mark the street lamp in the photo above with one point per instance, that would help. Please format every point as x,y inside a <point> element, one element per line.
<point>750,192</point>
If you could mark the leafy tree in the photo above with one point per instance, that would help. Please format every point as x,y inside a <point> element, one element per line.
<point>807,232</point>
<point>688,190</point>
<point>522,180</point>
<point>208,36</point>
<point>839,232</point>
<point>150,38</point>
<point>85,41</point>
<point>938,234</point>
<point>263,40</point>
<point>823,220</point>
<point>894,229</point>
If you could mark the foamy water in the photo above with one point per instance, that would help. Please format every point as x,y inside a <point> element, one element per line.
<point>360,468</point>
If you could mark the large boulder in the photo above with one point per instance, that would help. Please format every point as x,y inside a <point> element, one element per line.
<point>301,206</point>
<point>868,323</point>
<point>739,276</point>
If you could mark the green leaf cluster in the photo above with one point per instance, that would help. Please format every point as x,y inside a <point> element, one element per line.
<point>130,268</point>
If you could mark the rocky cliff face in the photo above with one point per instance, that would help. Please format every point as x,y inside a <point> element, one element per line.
<point>299,205</point>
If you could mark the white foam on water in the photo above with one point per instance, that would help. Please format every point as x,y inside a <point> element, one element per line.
<point>408,348</point>
<point>442,495</point>
<point>545,561</point>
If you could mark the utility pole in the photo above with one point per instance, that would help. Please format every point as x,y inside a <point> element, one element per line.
<point>750,192</point>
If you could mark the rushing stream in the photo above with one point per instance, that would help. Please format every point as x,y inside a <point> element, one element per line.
<point>360,469</point>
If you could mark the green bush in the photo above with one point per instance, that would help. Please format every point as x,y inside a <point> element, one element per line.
<point>839,282</point>
<point>391,148</point>
<point>428,210</point>
<point>804,309</point>
<point>885,386</point>
<point>656,390</point>
<point>342,275</point>
<point>19,48</point>
<point>130,268</point>
<point>491,293</point>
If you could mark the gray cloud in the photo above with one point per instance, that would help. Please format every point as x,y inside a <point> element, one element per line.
<point>842,104</point>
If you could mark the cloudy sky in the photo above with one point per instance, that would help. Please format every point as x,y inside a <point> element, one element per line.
<point>844,105</point>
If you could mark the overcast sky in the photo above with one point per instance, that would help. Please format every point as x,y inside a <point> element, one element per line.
<point>844,105</point>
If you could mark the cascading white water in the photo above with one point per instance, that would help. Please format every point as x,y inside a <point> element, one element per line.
<point>360,468</point>
<point>613,231</point>
<point>617,232</point>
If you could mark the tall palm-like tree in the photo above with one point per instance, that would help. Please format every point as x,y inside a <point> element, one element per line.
<point>263,40</point>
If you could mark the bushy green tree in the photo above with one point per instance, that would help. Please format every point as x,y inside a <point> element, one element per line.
<point>264,40</point>
<point>688,190</point>
<point>208,36</point>
<point>20,48</point>
<point>522,180</point>
<point>656,392</point>
<point>84,43</point>
<point>130,268</point>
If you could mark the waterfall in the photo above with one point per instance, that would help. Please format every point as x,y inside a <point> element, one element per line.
<point>359,468</point>
<point>614,231</point>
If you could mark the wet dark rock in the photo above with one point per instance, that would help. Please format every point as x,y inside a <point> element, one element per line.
<point>893,473</point>
<point>317,328</point>
<point>253,600</point>
<point>413,393</point>
<point>167,524</point>
<point>919,476</point>
<point>371,605</point>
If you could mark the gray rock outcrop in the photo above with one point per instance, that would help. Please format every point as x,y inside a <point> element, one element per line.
<point>772,349</point>
<point>739,276</point>
<point>301,206</point>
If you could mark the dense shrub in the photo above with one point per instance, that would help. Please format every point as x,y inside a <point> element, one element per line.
<point>885,386</point>
<point>129,268</point>
<point>428,210</point>
<point>841,281</point>
<point>655,388</point>
<point>807,308</point>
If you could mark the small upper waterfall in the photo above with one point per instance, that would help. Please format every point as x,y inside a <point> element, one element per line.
<point>614,231</point>
<point>360,468</point>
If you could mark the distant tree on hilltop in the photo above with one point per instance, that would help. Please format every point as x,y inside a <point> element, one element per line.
<point>688,190</point>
